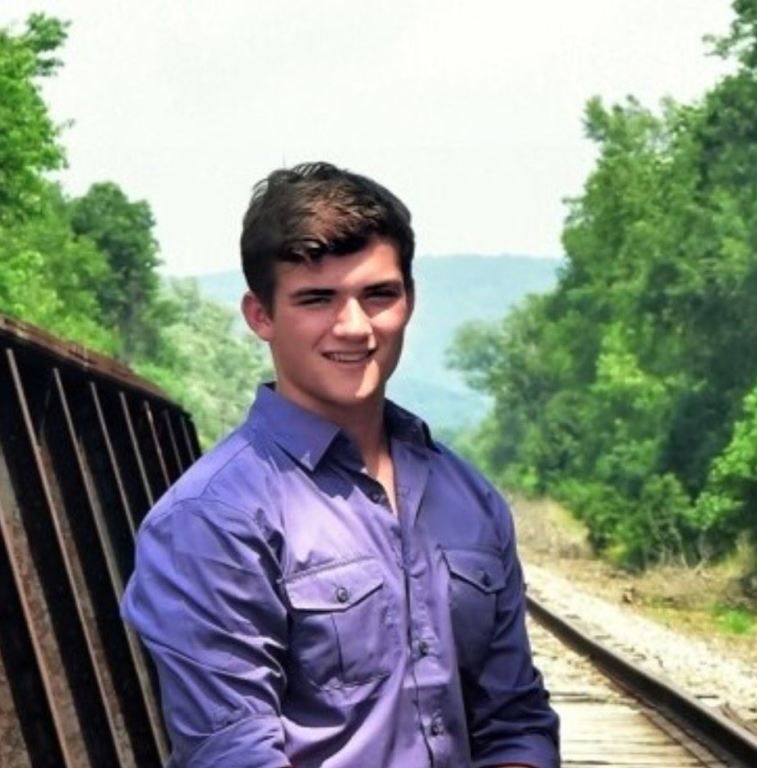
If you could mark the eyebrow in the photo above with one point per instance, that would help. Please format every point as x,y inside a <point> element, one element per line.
<point>321,293</point>
<point>395,284</point>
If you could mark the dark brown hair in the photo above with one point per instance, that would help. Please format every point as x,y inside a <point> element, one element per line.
<point>313,210</point>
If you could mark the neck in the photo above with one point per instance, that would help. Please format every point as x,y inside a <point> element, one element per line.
<point>365,426</point>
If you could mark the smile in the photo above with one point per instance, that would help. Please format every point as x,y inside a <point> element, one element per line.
<point>349,357</point>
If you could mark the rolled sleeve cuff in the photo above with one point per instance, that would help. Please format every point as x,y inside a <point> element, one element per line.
<point>252,742</point>
<point>535,750</point>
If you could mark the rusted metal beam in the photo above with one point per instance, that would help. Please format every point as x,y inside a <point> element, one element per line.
<point>182,446</point>
<point>117,483</point>
<point>85,449</point>
<point>31,732</point>
<point>57,351</point>
<point>190,441</point>
<point>44,584</point>
<point>146,422</point>
<point>167,439</point>
<point>107,476</point>
<point>96,551</point>
<point>139,451</point>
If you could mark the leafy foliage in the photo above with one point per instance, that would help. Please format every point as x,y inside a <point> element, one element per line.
<point>727,505</point>
<point>629,391</point>
<point>209,367</point>
<point>86,268</point>
<point>123,231</point>
<point>48,276</point>
<point>28,139</point>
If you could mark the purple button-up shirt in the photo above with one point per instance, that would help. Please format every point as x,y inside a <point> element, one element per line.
<point>296,621</point>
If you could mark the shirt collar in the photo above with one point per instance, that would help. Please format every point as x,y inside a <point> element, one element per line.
<point>404,425</point>
<point>307,437</point>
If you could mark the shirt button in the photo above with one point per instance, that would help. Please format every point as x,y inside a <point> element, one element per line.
<point>342,594</point>
<point>376,497</point>
<point>423,648</point>
<point>437,728</point>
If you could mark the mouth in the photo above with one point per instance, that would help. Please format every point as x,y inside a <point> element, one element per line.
<point>350,357</point>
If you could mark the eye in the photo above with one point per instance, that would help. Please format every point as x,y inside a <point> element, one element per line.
<point>384,292</point>
<point>313,299</point>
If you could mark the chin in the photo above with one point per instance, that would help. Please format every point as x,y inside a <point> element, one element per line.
<point>356,398</point>
<point>360,396</point>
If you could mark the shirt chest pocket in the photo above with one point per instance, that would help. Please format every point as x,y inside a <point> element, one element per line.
<point>476,578</point>
<point>342,632</point>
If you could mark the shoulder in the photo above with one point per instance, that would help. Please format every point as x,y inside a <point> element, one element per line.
<point>233,483</point>
<point>452,465</point>
<point>461,488</point>
<point>444,461</point>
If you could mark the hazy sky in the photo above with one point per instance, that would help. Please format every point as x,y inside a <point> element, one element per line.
<point>470,111</point>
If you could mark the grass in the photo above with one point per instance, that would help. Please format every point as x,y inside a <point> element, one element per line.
<point>709,602</point>
<point>718,619</point>
<point>735,621</point>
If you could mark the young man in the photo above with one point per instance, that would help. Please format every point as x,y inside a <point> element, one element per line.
<point>329,586</point>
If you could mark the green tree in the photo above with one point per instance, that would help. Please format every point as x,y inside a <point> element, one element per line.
<point>86,269</point>
<point>624,391</point>
<point>128,295</point>
<point>28,137</point>
<point>726,508</point>
<point>49,277</point>
<point>207,365</point>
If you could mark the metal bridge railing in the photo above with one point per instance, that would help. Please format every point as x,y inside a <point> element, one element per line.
<point>86,447</point>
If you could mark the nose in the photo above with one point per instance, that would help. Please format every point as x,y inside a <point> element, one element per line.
<point>352,320</point>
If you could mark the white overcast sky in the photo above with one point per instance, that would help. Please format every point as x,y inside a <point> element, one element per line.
<point>469,111</point>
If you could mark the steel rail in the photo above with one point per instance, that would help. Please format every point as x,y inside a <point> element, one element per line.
<point>717,732</point>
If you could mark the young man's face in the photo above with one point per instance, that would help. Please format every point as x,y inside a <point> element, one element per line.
<point>336,327</point>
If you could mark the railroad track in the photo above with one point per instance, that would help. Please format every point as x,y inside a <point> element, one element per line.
<point>616,713</point>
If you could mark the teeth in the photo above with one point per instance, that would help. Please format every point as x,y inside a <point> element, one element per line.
<point>347,357</point>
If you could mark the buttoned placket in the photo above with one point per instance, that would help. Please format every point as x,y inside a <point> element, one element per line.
<point>412,475</point>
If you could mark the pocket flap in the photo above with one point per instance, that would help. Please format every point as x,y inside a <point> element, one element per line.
<point>333,587</point>
<point>481,569</point>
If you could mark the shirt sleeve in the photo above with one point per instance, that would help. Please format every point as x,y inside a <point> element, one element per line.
<point>204,598</point>
<point>510,719</point>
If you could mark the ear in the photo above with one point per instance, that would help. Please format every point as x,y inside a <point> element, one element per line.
<point>257,317</point>
<point>410,298</point>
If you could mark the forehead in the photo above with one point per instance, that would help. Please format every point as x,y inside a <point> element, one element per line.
<point>377,261</point>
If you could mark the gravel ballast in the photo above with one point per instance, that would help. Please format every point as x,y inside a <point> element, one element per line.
<point>692,664</point>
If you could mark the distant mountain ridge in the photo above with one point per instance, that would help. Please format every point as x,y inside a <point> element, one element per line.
<point>450,290</point>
